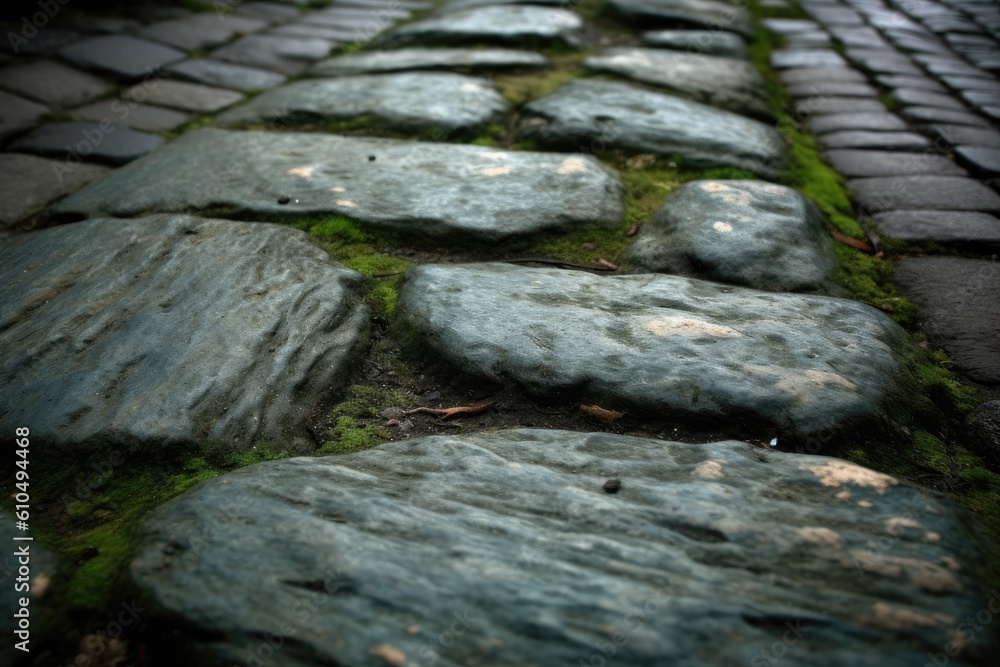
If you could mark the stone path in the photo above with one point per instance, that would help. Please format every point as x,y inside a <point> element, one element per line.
<point>933,64</point>
<point>159,297</point>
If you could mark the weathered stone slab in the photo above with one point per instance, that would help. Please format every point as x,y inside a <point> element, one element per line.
<point>125,56</point>
<point>959,309</point>
<point>171,331</point>
<point>513,24</point>
<point>408,101</point>
<point>376,62</point>
<point>910,82</point>
<point>727,83</point>
<point>900,141</point>
<point>811,58</point>
<point>860,120</point>
<point>18,114</point>
<point>958,135</point>
<point>936,193</point>
<point>52,83</point>
<point>436,189</point>
<point>27,183</point>
<point>114,145</point>
<point>591,113</point>
<point>279,54</point>
<point>949,116</point>
<point>270,11</point>
<point>125,113</point>
<point>949,227</point>
<point>188,35</point>
<point>883,61</point>
<point>226,75</point>
<point>821,75</point>
<point>981,159</point>
<point>710,14</point>
<point>835,88</point>
<point>706,42</point>
<point>656,344</point>
<point>312,30</point>
<point>184,96</point>
<point>743,232</point>
<point>864,163</point>
<point>821,104</point>
<point>406,553</point>
<point>925,98</point>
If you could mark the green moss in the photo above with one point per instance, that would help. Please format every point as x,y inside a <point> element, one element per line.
<point>521,88</point>
<point>93,516</point>
<point>356,420</point>
<point>492,135</point>
<point>869,280</point>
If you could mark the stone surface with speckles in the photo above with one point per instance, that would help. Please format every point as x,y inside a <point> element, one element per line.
<point>726,83</point>
<point>504,24</point>
<point>649,344</point>
<point>588,114</point>
<point>440,190</point>
<point>172,331</point>
<point>427,102</point>
<point>551,572</point>
<point>744,232</point>
<point>373,62</point>
<point>710,14</point>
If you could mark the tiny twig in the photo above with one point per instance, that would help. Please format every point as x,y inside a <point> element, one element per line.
<point>444,414</point>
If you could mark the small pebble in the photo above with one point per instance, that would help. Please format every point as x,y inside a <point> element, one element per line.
<point>284,200</point>
<point>613,485</point>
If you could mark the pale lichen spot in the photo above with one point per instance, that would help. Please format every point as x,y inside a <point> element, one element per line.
<point>685,326</point>
<point>897,617</point>
<point>838,473</point>
<point>843,495</point>
<point>304,172</point>
<point>493,155</point>
<point>929,576</point>
<point>346,203</point>
<point>865,503</point>
<point>495,171</point>
<point>709,469</point>
<point>470,87</point>
<point>894,524</point>
<point>536,284</point>
<point>714,186</point>
<point>823,537</point>
<point>722,227</point>
<point>823,377</point>
<point>932,537</point>
<point>571,165</point>
<point>337,189</point>
<point>738,199</point>
<point>729,526</point>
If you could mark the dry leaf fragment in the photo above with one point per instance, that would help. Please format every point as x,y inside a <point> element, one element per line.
<point>610,266</point>
<point>390,654</point>
<point>853,242</point>
<point>633,230</point>
<point>601,413</point>
<point>447,413</point>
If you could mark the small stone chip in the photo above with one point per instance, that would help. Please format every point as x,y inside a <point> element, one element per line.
<point>613,485</point>
<point>391,654</point>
